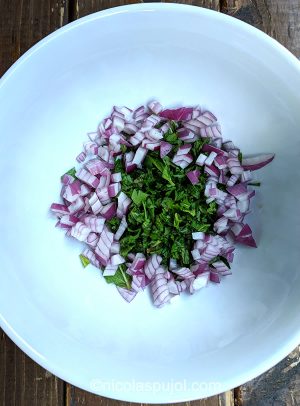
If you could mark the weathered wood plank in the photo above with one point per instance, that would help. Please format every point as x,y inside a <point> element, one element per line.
<point>76,397</point>
<point>212,4</point>
<point>25,22</point>
<point>280,386</point>
<point>81,8</point>
<point>227,399</point>
<point>23,382</point>
<point>278,18</point>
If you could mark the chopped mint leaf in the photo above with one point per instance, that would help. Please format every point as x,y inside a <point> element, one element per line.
<point>153,160</point>
<point>123,148</point>
<point>166,209</point>
<point>220,258</point>
<point>166,174</point>
<point>223,259</point>
<point>84,260</point>
<point>138,197</point>
<point>113,224</point>
<point>71,172</point>
<point>171,137</point>
<point>173,125</point>
<point>176,220</point>
<point>120,278</point>
<point>118,165</point>
<point>198,145</point>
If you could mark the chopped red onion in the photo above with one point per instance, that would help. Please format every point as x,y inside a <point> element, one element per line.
<point>183,113</point>
<point>91,257</point>
<point>126,294</point>
<point>165,148</point>
<point>193,176</point>
<point>95,223</point>
<point>59,209</point>
<point>155,107</point>
<point>95,204</point>
<point>122,228</point>
<point>210,159</point>
<point>139,156</point>
<point>183,272</point>
<point>90,148</point>
<point>81,157</point>
<point>109,210</point>
<point>115,248</point>
<point>182,161</point>
<point>92,239</point>
<point>159,288</point>
<point>113,189</point>
<point>201,281</point>
<point>80,231</point>
<point>257,162</point>
<point>152,265</point>
<point>95,195</point>
<point>76,206</point>
<point>117,259</point>
<point>87,178</point>
<point>201,159</point>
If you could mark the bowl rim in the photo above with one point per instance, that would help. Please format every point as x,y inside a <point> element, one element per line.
<point>68,375</point>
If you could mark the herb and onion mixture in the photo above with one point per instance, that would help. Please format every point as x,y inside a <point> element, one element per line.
<point>160,200</point>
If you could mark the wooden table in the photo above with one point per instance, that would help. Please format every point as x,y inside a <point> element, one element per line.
<point>22,24</point>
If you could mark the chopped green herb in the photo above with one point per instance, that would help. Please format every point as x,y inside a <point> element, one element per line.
<point>72,172</point>
<point>220,258</point>
<point>166,208</point>
<point>240,156</point>
<point>113,224</point>
<point>197,147</point>
<point>123,148</point>
<point>138,197</point>
<point>120,278</point>
<point>222,187</point>
<point>173,125</point>
<point>166,174</point>
<point>254,184</point>
<point>84,260</point>
<point>171,137</point>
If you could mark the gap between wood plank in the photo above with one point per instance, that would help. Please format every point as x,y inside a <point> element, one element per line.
<point>73,10</point>
<point>223,6</point>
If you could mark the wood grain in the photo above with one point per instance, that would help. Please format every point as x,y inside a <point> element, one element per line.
<point>24,22</point>
<point>23,382</point>
<point>212,4</point>
<point>278,18</point>
<point>81,8</point>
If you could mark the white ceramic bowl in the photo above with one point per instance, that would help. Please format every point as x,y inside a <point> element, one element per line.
<point>68,319</point>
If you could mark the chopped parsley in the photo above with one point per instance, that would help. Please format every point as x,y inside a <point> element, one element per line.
<point>166,208</point>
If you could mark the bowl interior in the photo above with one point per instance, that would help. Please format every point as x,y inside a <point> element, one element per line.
<point>69,319</point>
